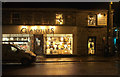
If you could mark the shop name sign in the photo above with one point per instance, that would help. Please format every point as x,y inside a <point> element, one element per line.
<point>37,31</point>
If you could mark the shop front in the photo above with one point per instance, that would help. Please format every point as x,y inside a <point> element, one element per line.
<point>47,40</point>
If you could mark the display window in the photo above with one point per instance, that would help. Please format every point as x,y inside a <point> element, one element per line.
<point>91,45</point>
<point>58,44</point>
<point>91,20</point>
<point>22,41</point>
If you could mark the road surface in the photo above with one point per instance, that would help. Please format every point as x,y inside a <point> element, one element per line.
<point>64,68</point>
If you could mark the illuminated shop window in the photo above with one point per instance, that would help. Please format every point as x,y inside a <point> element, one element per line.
<point>59,19</point>
<point>91,46</point>
<point>22,41</point>
<point>58,44</point>
<point>91,20</point>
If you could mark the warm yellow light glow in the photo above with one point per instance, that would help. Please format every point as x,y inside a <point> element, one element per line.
<point>52,27</point>
<point>55,46</point>
<point>5,39</point>
<point>99,15</point>
<point>42,27</point>
<point>61,38</point>
<point>58,45</point>
<point>11,38</point>
<point>61,43</point>
<point>111,2</point>
<point>49,38</point>
<point>34,27</point>
<point>24,26</point>
<point>65,45</point>
<point>65,51</point>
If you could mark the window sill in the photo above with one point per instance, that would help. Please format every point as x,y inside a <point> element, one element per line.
<point>98,26</point>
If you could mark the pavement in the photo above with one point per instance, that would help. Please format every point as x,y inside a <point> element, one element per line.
<point>77,59</point>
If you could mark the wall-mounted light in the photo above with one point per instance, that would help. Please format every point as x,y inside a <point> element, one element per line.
<point>111,2</point>
<point>42,27</point>
<point>24,26</point>
<point>99,15</point>
<point>34,27</point>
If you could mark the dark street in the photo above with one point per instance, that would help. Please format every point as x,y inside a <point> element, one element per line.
<point>64,68</point>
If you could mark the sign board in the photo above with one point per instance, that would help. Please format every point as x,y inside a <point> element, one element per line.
<point>37,30</point>
<point>101,19</point>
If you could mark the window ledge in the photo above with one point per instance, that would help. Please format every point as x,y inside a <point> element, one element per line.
<point>98,26</point>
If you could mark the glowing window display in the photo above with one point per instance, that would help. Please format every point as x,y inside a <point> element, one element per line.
<point>59,19</point>
<point>91,46</point>
<point>22,41</point>
<point>91,20</point>
<point>58,44</point>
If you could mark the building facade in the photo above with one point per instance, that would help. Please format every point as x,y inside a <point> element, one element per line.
<point>56,31</point>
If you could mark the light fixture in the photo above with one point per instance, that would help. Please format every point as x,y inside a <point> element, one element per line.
<point>24,26</point>
<point>34,27</point>
<point>42,27</point>
<point>99,15</point>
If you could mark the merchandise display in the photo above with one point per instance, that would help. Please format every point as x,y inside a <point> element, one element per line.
<point>58,44</point>
<point>21,41</point>
<point>91,46</point>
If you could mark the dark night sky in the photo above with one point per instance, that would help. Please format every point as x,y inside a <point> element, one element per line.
<point>80,5</point>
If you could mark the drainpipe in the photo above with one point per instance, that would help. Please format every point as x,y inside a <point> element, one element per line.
<point>109,31</point>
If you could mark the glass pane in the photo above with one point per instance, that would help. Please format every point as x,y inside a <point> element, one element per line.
<point>58,44</point>
<point>91,20</point>
<point>59,19</point>
<point>22,41</point>
<point>91,46</point>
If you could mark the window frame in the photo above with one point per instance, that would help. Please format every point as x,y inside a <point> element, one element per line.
<point>15,20</point>
<point>95,19</point>
<point>58,19</point>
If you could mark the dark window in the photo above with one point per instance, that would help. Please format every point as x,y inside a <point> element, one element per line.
<point>15,18</point>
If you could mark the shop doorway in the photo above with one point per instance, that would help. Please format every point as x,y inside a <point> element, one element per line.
<point>91,45</point>
<point>38,44</point>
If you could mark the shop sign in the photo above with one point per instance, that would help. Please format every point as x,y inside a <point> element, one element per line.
<point>37,31</point>
<point>102,19</point>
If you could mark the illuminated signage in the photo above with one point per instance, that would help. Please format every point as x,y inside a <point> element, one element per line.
<point>102,19</point>
<point>35,30</point>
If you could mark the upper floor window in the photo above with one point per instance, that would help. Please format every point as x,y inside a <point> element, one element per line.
<point>15,18</point>
<point>97,19</point>
<point>59,19</point>
<point>91,20</point>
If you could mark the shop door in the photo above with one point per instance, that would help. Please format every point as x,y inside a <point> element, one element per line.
<point>38,44</point>
<point>91,45</point>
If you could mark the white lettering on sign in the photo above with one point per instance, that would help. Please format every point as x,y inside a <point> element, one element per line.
<point>37,31</point>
